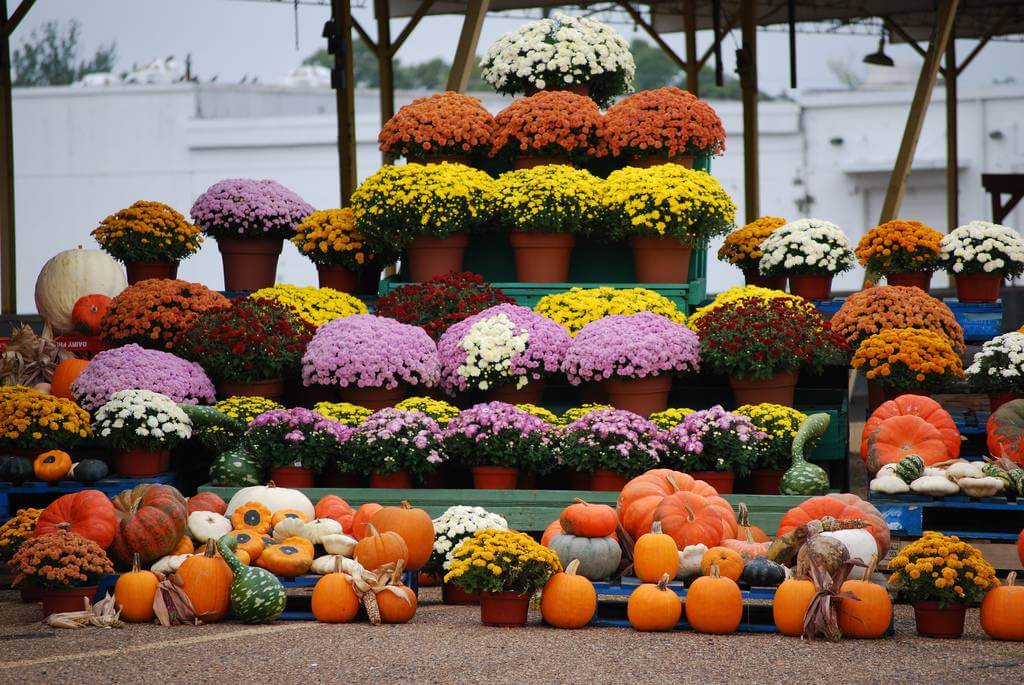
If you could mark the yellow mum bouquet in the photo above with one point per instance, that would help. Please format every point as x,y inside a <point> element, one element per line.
<point>34,420</point>
<point>553,198</point>
<point>898,247</point>
<point>943,569</point>
<point>781,424</point>
<point>576,413</point>
<point>742,247</point>
<point>545,415</point>
<point>908,358</point>
<point>501,561</point>
<point>316,306</point>
<point>439,410</point>
<point>667,201</point>
<point>670,418</point>
<point>577,307</point>
<point>148,232</point>
<point>16,531</point>
<point>343,412</point>
<point>328,237</point>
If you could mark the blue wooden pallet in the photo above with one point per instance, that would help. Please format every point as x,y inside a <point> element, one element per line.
<point>990,518</point>
<point>980,321</point>
<point>38,489</point>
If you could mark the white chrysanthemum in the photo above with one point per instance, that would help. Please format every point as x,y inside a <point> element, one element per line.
<point>807,244</point>
<point>490,346</point>
<point>983,246</point>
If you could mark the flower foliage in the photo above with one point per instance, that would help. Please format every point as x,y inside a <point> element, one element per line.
<point>441,302</point>
<point>329,237</point>
<point>667,121</point>
<point>501,561</point>
<point>455,525</point>
<point>632,346</point>
<point>34,420</point>
<point>908,358</point>
<point>873,310</point>
<point>983,247</point>
<point>245,208</point>
<point>550,123</point>
<point>577,307</point>
<point>316,306</point>
<point>559,52</point>
<point>499,434</point>
<point>612,439</point>
<point>148,232</point>
<point>715,440</point>
<point>295,437</point>
<point>552,198</point>
<point>393,440</point>
<point>806,246</point>
<point>141,419</point>
<point>370,351</point>
<point>506,344</point>
<point>135,368</point>
<point>156,312</point>
<point>899,246</point>
<point>667,201</point>
<point>742,247</point>
<point>60,560</point>
<point>780,425</point>
<point>16,530</point>
<point>439,410</point>
<point>445,123</point>
<point>941,568</point>
<point>999,365</point>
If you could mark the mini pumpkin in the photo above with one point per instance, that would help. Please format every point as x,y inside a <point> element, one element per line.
<point>334,598</point>
<point>654,555</point>
<point>250,542</point>
<point>714,603</point>
<point>728,563</point>
<point>587,520</point>
<point>169,564</point>
<point>569,600</point>
<point>134,593</point>
<point>52,466</point>
<point>184,546</point>
<point>397,603</point>
<point>287,559</point>
<point>287,514</point>
<point>339,543</point>
<point>88,312</point>
<point>252,516</point>
<point>288,527</point>
<point>377,549</point>
<point>328,563</point>
<point>316,530</point>
<point>654,607</point>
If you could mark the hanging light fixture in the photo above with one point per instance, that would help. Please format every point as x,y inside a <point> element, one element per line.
<point>879,58</point>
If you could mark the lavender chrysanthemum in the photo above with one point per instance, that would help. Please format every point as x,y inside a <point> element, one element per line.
<point>246,208</point>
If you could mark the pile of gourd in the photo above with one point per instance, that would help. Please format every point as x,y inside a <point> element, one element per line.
<point>972,478</point>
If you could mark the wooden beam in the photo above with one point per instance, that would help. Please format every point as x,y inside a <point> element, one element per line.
<point>984,41</point>
<point>370,42</point>
<point>918,108</point>
<point>748,85</point>
<point>655,36</point>
<point>692,63</point>
<point>19,13</point>
<point>413,22</point>
<point>952,162</point>
<point>385,66</point>
<point>465,53</point>
<point>341,11</point>
<point>8,252</point>
<point>730,24</point>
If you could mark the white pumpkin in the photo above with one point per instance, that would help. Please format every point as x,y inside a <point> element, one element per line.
<point>208,525</point>
<point>316,530</point>
<point>859,543</point>
<point>71,275</point>
<point>965,469</point>
<point>987,486</point>
<point>273,498</point>
<point>328,563</point>
<point>689,561</point>
<point>936,486</point>
<point>288,527</point>
<point>888,484</point>
<point>339,543</point>
<point>169,564</point>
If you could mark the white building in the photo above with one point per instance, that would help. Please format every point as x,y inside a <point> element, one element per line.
<point>83,153</point>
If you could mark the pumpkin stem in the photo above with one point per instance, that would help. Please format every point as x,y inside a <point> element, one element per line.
<point>573,566</point>
<point>663,583</point>
<point>672,483</point>
<point>689,512</point>
<point>63,525</point>
<point>271,484</point>
<point>373,530</point>
<point>405,504</point>
<point>211,549</point>
<point>1011,579</point>
<point>714,571</point>
<point>656,528</point>
<point>871,567</point>
<point>135,562</point>
<point>580,500</point>
<point>744,515</point>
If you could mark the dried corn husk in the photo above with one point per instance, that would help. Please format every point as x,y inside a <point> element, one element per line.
<point>30,359</point>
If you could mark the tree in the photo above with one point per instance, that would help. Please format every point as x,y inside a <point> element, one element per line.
<point>48,57</point>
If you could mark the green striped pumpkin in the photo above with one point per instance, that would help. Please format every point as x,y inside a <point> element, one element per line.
<point>257,596</point>
<point>910,468</point>
<point>1017,481</point>
<point>803,477</point>
<point>996,472</point>
<point>236,468</point>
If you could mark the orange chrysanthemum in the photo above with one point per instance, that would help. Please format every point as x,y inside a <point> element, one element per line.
<point>874,310</point>
<point>667,121</point>
<point>155,312</point>
<point>742,247</point>
<point>550,123</point>
<point>908,358</point>
<point>445,124</point>
<point>899,246</point>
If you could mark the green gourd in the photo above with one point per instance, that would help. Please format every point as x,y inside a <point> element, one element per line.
<point>803,477</point>
<point>761,572</point>
<point>236,468</point>
<point>996,472</point>
<point>910,468</point>
<point>1016,477</point>
<point>257,596</point>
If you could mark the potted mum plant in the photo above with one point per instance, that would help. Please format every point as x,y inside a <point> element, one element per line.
<point>441,302</point>
<point>371,359</point>
<point>908,361</point>
<point>905,252</point>
<point>634,356</point>
<point>445,127</point>
<point>664,211</point>
<point>545,208</point>
<point>780,425</point>
<point>517,566</point>
<point>742,248</point>
<point>873,310</point>
<point>612,445</point>
<point>450,528</point>
<point>577,307</point>
<point>329,239</point>
<point>141,427</point>
<point>980,255</point>
<point>439,410</point>
<point>151,238</point>
<point>578,54</point>
<point>155,313</point>
<point>248,347</point>
<point>32,422</point>
<point>249,219</point>
<point>715,446</point>
<point>395,447</point>
<point>810,252</point>
<point>496,440</point>
<point>940,601</point>
<point>428,210</point>
<point>227,435</point>
<point>549,128</point>
<point>667,125</point>
<point>64,565</point>
<point>507,351</point>
<point>295,443</point>
<point>998,369</point>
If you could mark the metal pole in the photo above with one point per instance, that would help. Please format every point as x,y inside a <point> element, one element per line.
<point>748,84</point>
<point>952,162</point>
<point>341,11</point>
<point>8,256</point>
<point>692,61</point>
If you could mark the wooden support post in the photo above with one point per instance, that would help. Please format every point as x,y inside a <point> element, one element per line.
<point>465,53</point>
<point>918,108</point>
<point>8,257</point>
<point>952,163</point>
<point>385,65</point>
<point>692,61</point>
<point>648,28</point>
<point>748,85</point>
<point>341,11</point>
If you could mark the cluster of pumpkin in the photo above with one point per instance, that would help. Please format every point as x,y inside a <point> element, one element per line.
<point>50,467</point>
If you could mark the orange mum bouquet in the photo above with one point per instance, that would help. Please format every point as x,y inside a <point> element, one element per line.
<point>667,121</point>
<point>874,310</point>
<point>742,247</point>
<point>148,232</point>
<point>154,313</point>
<point>908,358</point>
<point>550,123</point>
<point>899,246</point>
<point>447,124</point>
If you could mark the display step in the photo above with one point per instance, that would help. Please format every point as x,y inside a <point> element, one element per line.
<point>39,494</point>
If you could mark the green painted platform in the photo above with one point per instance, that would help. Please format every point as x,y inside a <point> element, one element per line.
<point>526,510</point>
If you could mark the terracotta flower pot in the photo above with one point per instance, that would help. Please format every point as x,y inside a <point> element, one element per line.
<point>542,257</point>
<point>945,623</point>
<point>141,271</point>
<point>643,396</point>
<point>66,599</point>
<point>722,481</point>
<point>504,609</point>
<point>141,462</point>
<point>495,477</point>
<point>998,399</point>
<point>429,256</point>
<point>30,593</point>
<point>338,278</point>
<point>648,161</point>
<point>779,389</point>
<point>400,480</point>
<point>755,277</point>
<point>531,161</point>
<point>270,388</point>
<point>660,260</point>
<point>811,286</point>
<point>292,476</point>
<point>249,263</point>
<point>309,396</point>
<point>531,393</point>
<point>339,479</point>
<point>605,480</point>
<point>978,287</point>
<point>916,279</point>
<point>373,398</point>
<point>425,579</point>
<point>454,594</point>
<point>577,88</point>
<point>766,481</point>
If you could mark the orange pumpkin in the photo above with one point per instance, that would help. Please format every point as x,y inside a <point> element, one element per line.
<point>249,541</point>
<point>693,519</point>
<point>654,607</point>
<point>587,520</point>
<point>87,313</point>
<point>64,375</point>
<point>898,436</point>
<point>362,517</point>
<point>291,558</point>
<point>641,497</point>
<point>839,506</point>
<point>396,604</point>
<point>1005,432</point>
<point>89,513</point>
<point>922,407</point>
<point>52,466</point>
<point>654,555</point>
<point>184,546</point>
<point>206,579</point>
<point>282,514</point>
<point>334,599</point>
<point>414,526</point>
<point>554,529</point>
<point>569,600</point>
<point>207,501</point>
<point>729,564</point>
<point>134,593</point>
<point>1002,611</point>
<point>789,607</point>
<point>870,614</point>
<point>1020,547</point>
<point>752,541</point>
<point>377,549</point>
<point>334,507</point>
<point>714,603</point>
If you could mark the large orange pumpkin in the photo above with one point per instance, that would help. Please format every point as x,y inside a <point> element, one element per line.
<point>362,517</point>
<point>87,313</point>
<point>587,520</point>
<point>899,436</point>
<point>554,529</point>
<point>206,579</point>
<point>415,527</point>
<point>88,513</point>
<point>692,519</point>
<point>1005,431</point>
<point>838,506</point>
<point>714,603</point>
<point>914,405</point>
<point>334,507</point>
<point>64,375</point>
<point>642,495</point>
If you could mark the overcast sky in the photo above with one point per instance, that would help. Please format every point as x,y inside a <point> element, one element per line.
<point>234,38</point>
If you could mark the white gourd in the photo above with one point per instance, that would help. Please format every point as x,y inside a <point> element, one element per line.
<point>339,543</point>
<point>933,471</point>
<point>936,486</point>
<point>317,529</point>
<point>888,484</point>
<point>288,527</point>
<point>860,543</point>
<point>71,275</point>
<point>273,498</point>
<point>987,486</point>
<point>169,564</point>
<point>965,469</point>
<point>689,561</point>
<point>329,564</point>
<point>887,470</point>
<point>208,525</point>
